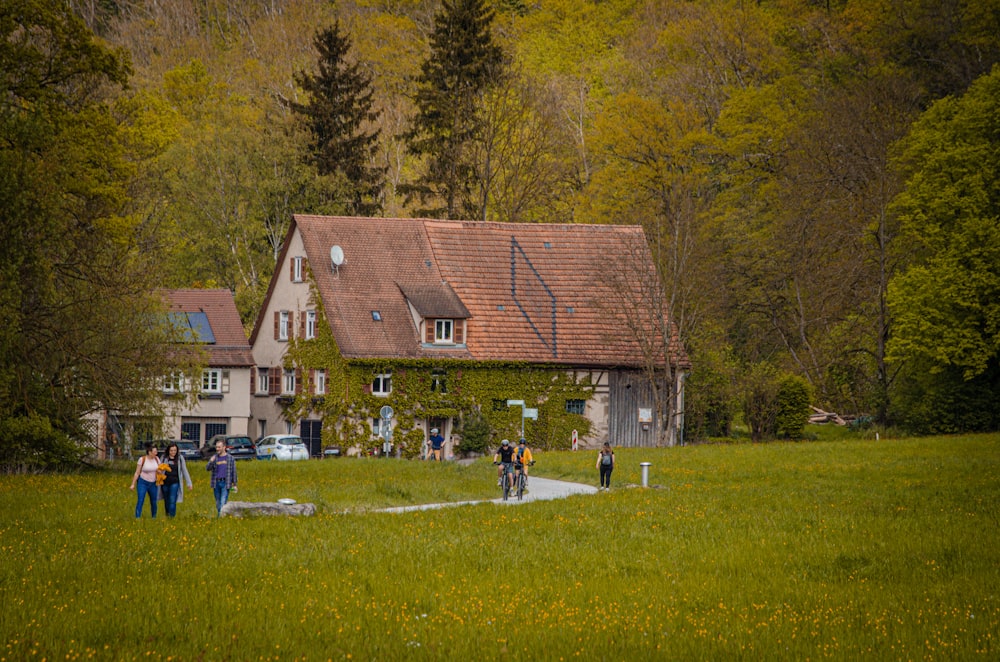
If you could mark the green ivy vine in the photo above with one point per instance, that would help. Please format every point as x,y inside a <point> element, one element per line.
<point>422,388</point>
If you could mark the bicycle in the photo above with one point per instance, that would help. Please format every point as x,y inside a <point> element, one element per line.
<point>503,482</point>
<point>520,478</point>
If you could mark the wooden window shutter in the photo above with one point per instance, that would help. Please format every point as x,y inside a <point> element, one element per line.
<point>225,381</point>
<point>302,324</point>
<point>274,382</point>
<point>291,269</point>
<point>277,323</point>
<point>312,382</point>
<point>430,332</point>
<point>305,266</point>
<point>459,331</point>
<point>253,380</point>
<point>366,388</point>
<point>298,381</point>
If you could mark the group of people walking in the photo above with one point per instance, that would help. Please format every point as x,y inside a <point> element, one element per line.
<point>163,479</point>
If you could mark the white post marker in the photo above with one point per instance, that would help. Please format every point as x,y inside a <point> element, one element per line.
<point>645,472</point>
<point>575,439</point>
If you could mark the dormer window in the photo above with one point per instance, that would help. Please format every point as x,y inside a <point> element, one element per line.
<point>444,331</point>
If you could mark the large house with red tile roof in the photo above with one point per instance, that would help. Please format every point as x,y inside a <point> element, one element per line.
<point>216,401</point>
<point>429,305</point>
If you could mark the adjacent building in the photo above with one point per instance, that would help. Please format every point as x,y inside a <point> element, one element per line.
<point>215,400</point>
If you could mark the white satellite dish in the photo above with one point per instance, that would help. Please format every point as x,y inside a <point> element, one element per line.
<point>336,256</point>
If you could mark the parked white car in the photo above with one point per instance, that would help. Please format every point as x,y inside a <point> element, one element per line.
<point>282,447</point>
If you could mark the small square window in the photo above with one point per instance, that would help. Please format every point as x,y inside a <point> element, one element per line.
<point>499,405</point>
<point>174,383</point>
<point>382,384</point>
<point>438,382</point>
<point>376,316</point>
<point>576,406</point>
<point>443,330</point>
<point>211,381</point>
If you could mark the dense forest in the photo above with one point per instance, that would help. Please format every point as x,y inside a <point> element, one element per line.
<point>818,179</point>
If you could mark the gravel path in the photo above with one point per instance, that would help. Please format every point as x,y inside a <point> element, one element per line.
<point>539,489</point>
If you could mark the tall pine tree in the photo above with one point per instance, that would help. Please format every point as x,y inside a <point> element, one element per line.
<point>463,63</point>
<point>341,121</point>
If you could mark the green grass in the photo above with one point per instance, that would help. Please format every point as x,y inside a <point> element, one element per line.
<point>843,550</point>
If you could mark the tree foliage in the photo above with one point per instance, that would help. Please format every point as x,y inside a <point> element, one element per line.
<point>340,117</point>
<point>946,302</point>
<point>751,140</point>
<point>463,63</point>
<point>80,327</point>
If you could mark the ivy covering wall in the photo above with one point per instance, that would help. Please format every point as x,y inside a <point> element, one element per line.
<point>432,388</point>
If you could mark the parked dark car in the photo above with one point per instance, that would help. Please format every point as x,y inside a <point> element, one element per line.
<point>241,447</point>
<point>188,450</point>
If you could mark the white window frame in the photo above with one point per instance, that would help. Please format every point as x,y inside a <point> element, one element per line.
<point>284,322</point>
<point>444,332</point>
<point>211,381</point>
<point>310,324</point>
<point>319,381</point>
<point>297,269</point>
<point>382,384</point>
<point>288,381</point>
<point>174,383</point>
<point>263,380</point>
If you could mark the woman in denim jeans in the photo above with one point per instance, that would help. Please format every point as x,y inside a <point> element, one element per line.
<point>145,478</point>
<point>172,490</point>
<point>222,470</point>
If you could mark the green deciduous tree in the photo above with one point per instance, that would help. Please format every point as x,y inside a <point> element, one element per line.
<point>946,303</point>
<point>80,327</point>
<point>463,64</point>
<point>342,121</point>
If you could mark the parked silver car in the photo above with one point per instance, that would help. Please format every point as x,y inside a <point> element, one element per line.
<point>282,447</point>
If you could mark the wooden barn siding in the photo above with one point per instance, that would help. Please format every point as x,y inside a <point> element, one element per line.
<point>628,391</point>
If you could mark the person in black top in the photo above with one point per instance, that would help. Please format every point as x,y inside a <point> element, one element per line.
<point>172,490</point>
<point>505,456</point>
<point>606,464</point>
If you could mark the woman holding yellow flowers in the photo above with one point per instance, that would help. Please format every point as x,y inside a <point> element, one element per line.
<point>175,475</point>
<point>145,478</point>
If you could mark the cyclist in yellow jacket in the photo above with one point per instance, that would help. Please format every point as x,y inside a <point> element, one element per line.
<point>522,457</point>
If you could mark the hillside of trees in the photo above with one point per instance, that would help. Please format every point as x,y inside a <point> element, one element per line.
<point>818,179</point>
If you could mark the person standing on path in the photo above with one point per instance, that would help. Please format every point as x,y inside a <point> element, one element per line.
<point>606,463</point>
<point>144,480</point>
<point>437,441</point>
<point>172,490</point>
<point>222,469</point>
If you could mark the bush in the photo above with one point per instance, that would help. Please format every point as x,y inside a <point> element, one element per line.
<point>794,396</point>
<point>32,443</point>
<point>475,433</point>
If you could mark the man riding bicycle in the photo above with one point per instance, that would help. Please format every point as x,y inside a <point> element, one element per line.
<point>505,456</point>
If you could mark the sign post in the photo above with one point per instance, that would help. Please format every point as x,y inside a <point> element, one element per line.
<point>575,439</point>
<point>386,414</point>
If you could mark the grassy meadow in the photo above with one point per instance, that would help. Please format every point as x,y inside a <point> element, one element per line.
<point>824,550</point>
